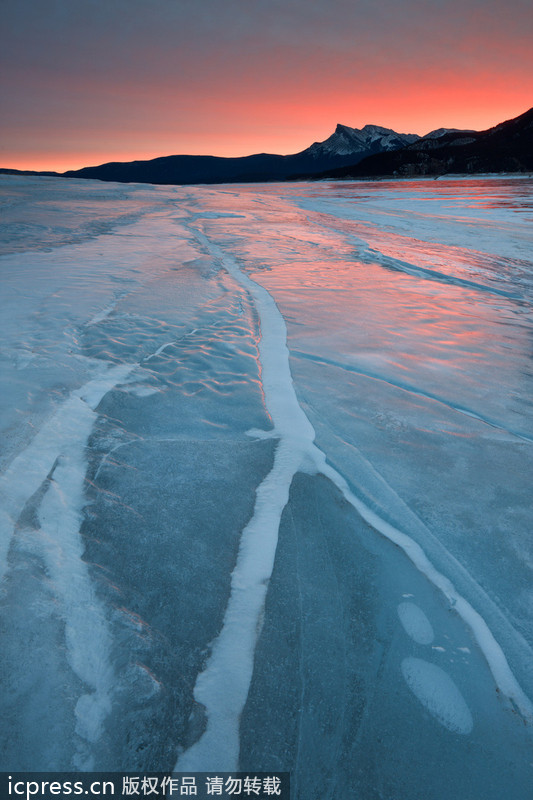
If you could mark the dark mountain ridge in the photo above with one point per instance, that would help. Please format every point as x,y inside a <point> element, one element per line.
<point>507,147</point>
<point>369,152</point>
<point>345,146</point>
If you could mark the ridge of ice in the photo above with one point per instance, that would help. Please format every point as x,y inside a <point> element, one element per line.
<point>65,429</point>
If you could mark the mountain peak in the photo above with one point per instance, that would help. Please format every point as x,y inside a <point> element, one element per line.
<point>343,128</point>
<point>346,141</point>
<point>436,134</point>
<point>507,147</point>
<point>378,129</point>
<point>367,129</point>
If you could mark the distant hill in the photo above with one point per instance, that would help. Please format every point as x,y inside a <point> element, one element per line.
<point>508,147</point>
<point>368,152</point>
<point>8,171</point>
<point>345,146</point>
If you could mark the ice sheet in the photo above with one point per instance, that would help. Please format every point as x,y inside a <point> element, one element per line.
<point>278,439</point>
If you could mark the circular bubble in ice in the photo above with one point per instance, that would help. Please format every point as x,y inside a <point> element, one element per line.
<point>415,623</point>
<point>438,693</point>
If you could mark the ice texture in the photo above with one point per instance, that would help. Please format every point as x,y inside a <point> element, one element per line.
<point>266,481</point>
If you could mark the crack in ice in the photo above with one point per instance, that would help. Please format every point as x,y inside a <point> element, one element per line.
<point>223,686</point>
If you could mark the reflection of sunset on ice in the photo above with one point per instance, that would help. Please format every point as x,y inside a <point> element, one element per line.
<point>266,481</point>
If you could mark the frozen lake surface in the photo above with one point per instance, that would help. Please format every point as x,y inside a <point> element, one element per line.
<point>266,481</point>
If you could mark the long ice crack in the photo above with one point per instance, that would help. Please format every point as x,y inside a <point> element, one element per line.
<point>223,686</point>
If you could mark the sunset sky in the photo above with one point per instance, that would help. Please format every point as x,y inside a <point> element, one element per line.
<point>89,81</point>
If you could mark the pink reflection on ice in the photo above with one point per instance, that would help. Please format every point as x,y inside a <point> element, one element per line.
<point>431,317</point>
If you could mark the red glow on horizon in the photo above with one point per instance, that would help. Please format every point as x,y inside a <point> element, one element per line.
<point>246,125</point>
<point>84,84</point>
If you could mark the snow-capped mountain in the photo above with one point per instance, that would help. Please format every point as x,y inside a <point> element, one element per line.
<point>345,146</point>
<point>436,134</point>
<point>347,141</point>
<point>507,147</point>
